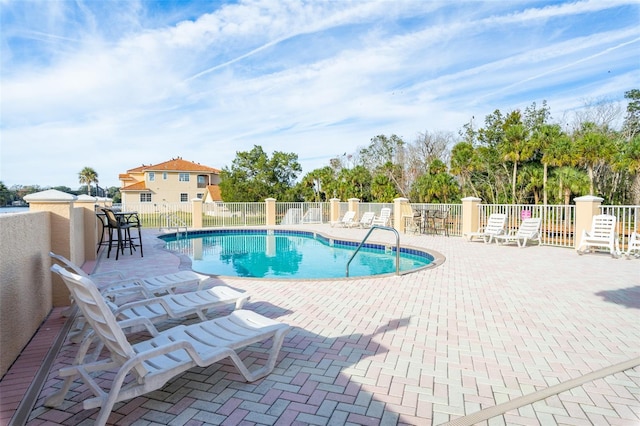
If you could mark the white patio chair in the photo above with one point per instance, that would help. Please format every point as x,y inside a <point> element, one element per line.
<point>160,308</point>
<point>365,220</point>
<point>347,219</point>
<point>603,234</point>
<point>125,289</point>
<point>529,230</point>
<point>633,245</point>
<point>383,218</point>
<point>136,369</point>
<point>495,226</point>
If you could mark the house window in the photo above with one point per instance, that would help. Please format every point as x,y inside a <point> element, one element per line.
<point>152,176</point>
<point>184,177</point>
<point>184,197</point>
<point>200,195</point>
<point>145,197</point>
<point>165,175</point>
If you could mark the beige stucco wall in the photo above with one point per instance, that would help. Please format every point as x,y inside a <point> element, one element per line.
<point>25,280</point>
<point>169,190</point>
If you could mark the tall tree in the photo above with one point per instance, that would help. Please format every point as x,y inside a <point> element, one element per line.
<point>87,176</point>
<point>593,146</point>
<point>462,165</point>
<point>515,146</point>
<point>550,140</point>
<point>436,186</point>
<point>631,125</point>
<point>254,176</point>
<point>385,156</point>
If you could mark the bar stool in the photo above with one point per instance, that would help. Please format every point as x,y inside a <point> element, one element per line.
<point>122,226</point>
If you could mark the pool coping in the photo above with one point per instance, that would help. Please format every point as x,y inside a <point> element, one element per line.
<point>437,258</point>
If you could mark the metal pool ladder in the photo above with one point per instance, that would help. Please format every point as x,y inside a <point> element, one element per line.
<point>386,228</point>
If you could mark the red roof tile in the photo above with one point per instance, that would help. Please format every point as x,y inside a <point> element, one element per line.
<point>175,165</point>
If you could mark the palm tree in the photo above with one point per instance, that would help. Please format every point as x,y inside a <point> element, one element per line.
<point>593,147</point>
<point>462,164</point>
<point>515,146</point>
<point>88,176</point>
<point>553,144</point>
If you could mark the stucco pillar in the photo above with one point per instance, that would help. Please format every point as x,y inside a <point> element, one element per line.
<point>470,215</point>
<point>334,210</point>
<point>91,226</point>
<point>586,208</point>
<point>63,233</point>
<point>196,208</point>
<point>270,211</point>
<point>398,208</point>
<point>354,206</point>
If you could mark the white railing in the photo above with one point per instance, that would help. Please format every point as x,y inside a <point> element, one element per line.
<point>628,220</point>
<point>233,214</point>
<point>296,213</point>
<point>557,228</point>
<point>453,217</point>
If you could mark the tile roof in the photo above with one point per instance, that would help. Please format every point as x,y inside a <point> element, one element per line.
<point>175,164</point>
<point>138,186</point>
<point>214,192</point>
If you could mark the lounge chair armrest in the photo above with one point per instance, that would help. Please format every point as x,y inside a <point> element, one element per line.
<point>118,275</point>
<point>146,302</point>
<point>139,322</point>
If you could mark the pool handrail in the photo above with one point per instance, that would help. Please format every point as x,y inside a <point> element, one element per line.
<point>367,236</point>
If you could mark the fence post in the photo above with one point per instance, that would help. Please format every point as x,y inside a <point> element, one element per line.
<point>586,207</point>
<point>398,221</point>
<point>354,205</point>
<point>470,215</point>
<point>63,234</point>
<point>196,215</point>
<point>91,228</point>
<point>334,210</point>
<point>270,211</point>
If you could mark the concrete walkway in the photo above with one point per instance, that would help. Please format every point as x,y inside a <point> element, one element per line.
<point>495,335</point>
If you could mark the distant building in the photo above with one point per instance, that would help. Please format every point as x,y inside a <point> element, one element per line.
<point>174,181</point>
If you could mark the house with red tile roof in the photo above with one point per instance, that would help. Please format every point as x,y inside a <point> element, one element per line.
<point>173,181</point>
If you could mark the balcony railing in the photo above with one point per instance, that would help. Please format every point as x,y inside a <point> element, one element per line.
<point>557,229</point>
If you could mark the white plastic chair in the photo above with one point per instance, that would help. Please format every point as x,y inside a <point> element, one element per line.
<point>529,230</point>
<point>136,369</point>
<point>603,234</point>
<point>495,226</point>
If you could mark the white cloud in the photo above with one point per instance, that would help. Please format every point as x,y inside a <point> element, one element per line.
<point>112,88</point>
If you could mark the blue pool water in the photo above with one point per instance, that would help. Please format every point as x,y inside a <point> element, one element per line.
<point>288,254</point>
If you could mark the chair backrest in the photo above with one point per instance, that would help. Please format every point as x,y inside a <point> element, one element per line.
<point>349,216</point>
<point>385,213</point>
<point>495,223</point>
<point>603,226</point>
<point>69,264</point>
<point>99,316</point>
<point>367,217</point>
<point>529,227</point>
<point>112,220</point>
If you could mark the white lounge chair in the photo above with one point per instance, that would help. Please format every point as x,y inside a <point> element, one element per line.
<point>633,245</point>
<point>136,369</point>
<point>347,219</point>
<point>495,226</point>
<point>132,288</point>
<point>383,218</point>
<point>160,308</point>
<point>365,220</point>
<point>529,230</point>
<point>603,233</point>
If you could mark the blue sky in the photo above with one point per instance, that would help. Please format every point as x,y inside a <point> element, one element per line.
<point>115,84</point>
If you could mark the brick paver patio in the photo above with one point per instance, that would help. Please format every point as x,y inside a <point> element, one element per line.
<point>493,324</point>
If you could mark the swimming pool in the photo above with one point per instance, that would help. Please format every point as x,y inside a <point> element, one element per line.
<point>286,254</point>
